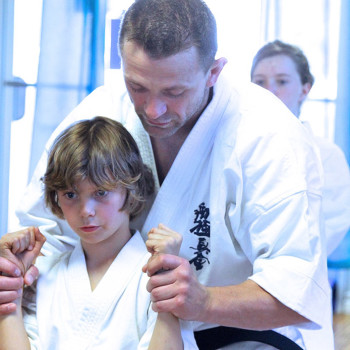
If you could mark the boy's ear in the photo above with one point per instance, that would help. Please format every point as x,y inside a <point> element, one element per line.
<point>305,91</point>
<point>215,71</point>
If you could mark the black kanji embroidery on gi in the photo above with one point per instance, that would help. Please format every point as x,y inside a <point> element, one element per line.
<point>203,225</point>
<point>202,229</point>
<point>199,260</point>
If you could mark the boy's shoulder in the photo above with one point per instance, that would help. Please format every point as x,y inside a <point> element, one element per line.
<point>47,263</point>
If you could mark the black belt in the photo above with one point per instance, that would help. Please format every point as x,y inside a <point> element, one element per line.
<point>214,338</point>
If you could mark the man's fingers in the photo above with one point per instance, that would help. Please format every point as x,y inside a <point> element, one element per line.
<point>9,296</point>
<point>6,309</point>
<point>10,283</point>
<point>164,306</point>
<point>9,268</point>
<point>161,289</point>
<point>163,262</point>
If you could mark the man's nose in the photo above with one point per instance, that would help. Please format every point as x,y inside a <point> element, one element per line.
<point>155,107</point>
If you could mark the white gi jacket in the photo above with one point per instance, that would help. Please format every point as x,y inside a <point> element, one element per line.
<point>63,313</point>
<point>244,191</point>
<point>335,191</point>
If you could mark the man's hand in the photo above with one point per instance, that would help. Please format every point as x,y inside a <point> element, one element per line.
<point>176,289</point>
<point>10,287</point>
<point>163,240</point>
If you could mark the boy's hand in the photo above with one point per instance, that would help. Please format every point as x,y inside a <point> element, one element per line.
<point>163,240</point>
<point>22,247</point>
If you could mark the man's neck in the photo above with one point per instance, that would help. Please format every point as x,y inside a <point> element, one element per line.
<point>166,149</point>
<point>165,152</point>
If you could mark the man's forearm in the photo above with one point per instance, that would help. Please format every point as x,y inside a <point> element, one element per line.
<point>247,306</point>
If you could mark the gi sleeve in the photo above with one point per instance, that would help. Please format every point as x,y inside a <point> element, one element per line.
<point>280,230</point>
<point>336,193</point>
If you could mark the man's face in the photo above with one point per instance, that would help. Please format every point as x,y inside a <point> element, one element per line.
<point>169,93</point>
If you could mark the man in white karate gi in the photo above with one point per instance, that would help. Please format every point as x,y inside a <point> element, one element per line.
<point>237,176</point>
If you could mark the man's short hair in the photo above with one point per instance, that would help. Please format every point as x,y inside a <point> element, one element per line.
<point>163,28</point>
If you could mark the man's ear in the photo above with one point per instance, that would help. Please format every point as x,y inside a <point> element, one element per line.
<point>215,71</point>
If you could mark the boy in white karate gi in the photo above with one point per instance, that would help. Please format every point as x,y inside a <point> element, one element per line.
<point>94,297</point>
<point>236,174</point>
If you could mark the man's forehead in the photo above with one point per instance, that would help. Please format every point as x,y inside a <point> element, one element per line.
<point>166,84</point>
<point>132,52</point>
<point>174,72</point>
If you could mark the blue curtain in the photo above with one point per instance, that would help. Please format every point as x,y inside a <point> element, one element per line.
<point>342,121</point>
<point>6,104</point>
<point>70,63</point>
<point>340,258</point>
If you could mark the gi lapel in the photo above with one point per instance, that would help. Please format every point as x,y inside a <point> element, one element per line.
<point>191,157</point>
<point>93,308</point>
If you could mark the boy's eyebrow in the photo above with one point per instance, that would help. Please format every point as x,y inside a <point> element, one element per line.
<point>283,74</point>
<point>260,75</point>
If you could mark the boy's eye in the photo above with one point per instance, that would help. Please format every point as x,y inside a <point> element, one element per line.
<point>70,195</point>
<point>259,82</point>
<point>101,193</point>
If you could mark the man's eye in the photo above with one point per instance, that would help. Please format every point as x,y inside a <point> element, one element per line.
<point>174,94</point>
<point>137,89</point>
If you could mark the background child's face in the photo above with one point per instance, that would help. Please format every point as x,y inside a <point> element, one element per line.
<point>94,214</point>
<point>279,75</point>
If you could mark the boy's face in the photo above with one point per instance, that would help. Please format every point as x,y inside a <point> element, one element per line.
<point>94,214</point>
<point>169,93</point>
